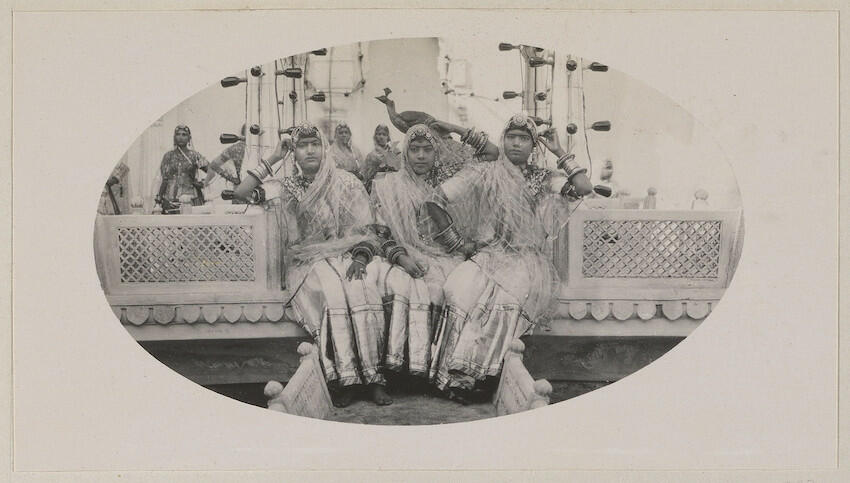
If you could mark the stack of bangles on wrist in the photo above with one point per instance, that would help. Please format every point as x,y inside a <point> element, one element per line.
<point>568,163</point>
<point>364,249</point>
<point>450,238</point>
<point>475,139</point>
<point>392,251</point>
<point>262,171</point>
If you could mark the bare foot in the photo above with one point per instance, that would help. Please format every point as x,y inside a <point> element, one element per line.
<point>379,395</point>
<point>343,397</point>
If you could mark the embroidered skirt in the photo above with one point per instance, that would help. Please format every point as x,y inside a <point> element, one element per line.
<point>347,320</point>
<point>479,321</point>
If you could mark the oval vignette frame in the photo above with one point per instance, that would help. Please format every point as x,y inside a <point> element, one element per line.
<point>639,272</point>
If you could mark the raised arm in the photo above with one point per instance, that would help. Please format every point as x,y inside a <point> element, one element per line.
<point>447,234</point>
<point>484,149</point>
<point>263,170</point>
<point>216,167</point>
<point>578,184</point>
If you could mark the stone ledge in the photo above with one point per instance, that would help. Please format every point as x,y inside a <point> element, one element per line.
<point>598,310</point>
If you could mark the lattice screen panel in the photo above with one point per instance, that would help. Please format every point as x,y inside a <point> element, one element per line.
<point>651,248</point>
<point>198,253</point>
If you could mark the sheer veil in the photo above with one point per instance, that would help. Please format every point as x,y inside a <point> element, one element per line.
<point>508,221</point>
<point>326,218</point>
<point>402,196</point>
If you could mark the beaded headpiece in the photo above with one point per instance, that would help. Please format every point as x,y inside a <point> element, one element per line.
<point>422,131</point>
<point>184,129</point>
<point>305,130</point>
<point>522,121</point>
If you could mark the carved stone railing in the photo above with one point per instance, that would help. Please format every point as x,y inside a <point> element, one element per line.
<point>194,276</point>
<point>623,272</point>
<point>633,272</point>
<point>646,276</point>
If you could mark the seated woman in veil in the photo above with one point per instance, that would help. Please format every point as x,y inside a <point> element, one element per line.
<point>508,284</point>
<point>326,231</point>
<point>415,268</point>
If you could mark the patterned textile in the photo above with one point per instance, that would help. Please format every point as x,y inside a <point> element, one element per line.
<point>346,157</point>
<point>234,153</point>
<point>179,171</point>
<point>346,318</point>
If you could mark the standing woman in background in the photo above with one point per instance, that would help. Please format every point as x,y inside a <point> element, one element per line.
<point>179,171</point>
<point>384,158</point>
<point>233,153</point>
<point>343,153</point>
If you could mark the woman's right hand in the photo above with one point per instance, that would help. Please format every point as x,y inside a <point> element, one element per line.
<point>283,147</point>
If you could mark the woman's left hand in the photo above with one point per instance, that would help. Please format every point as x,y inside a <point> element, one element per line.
<point>357,269</point>
<point>443,127</point>
<point>549,138</point>
<point>411,266</point>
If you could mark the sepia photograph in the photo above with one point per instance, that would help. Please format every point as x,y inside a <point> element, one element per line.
<point>417,231</point>
<point>279,241</point>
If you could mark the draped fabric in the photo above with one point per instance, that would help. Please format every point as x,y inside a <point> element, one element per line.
<point>413,305</point>
<point>321,220</point>
<point>507,287</point>
<point>347,158</point>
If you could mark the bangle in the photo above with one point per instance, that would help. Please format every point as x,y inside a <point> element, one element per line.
<point>364,249</point>
<point>438,235</point>
<point>395,253</point>
<point>391,243</point>
<point>267,165</point>
<point>262,170</point>
<point>451,239</point>
<point>253,173</point>
<point>465,136</point>
<point>482,143</point>
<point>471,137</point>
<point>572,173</point>
<point>567,163</point>
<point>564,160</point>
